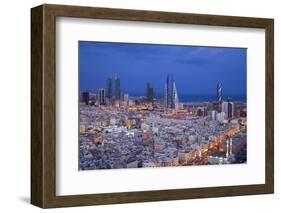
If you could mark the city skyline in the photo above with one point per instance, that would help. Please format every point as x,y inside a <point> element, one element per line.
<point>231,68</point>
<point>113,89</point>
<point>139,117</point>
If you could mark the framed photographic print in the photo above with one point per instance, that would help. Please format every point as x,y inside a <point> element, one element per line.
<point>137,106</point>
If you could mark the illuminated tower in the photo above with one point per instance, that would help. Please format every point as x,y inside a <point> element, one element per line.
<point>219,96</point>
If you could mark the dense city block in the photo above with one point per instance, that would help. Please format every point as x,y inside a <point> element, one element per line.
<point>124,131</point>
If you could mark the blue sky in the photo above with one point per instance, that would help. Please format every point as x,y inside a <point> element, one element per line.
<point>196,70</point>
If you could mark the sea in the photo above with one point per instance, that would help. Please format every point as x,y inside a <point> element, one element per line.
<point>199,97</point>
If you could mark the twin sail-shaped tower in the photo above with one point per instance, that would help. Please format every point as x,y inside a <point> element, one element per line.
<point>171,99</point>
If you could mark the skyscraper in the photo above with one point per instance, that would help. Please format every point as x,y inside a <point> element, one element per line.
<point>167,94</point>
<point>168,90</point>
<point>126,100</point>
<point>230,110</point>
<point>224,107</point>
<point>85,97</point>
<point>101,96</point>
<point>149,92</point>
<point>172,104</point>
<point>117,89</point>
<point>165,98</point>
<point>175,98</point>
<point>109,88</point>
<point>171,99</point>
<point>219,97</point>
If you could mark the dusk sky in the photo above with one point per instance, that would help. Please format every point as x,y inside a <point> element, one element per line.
<point>196,70</point>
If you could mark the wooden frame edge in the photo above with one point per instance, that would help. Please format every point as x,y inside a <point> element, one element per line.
<point>269,105</point>
<point>36,106</point>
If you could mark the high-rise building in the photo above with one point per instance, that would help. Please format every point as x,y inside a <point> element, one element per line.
<point>167,94</point>
<point>243,113</point>
<point>168,90</point>
<point>220,116</point>
<point>85,97</point>
<point>219,97</point>
<point>172,103</point>
<point>165,98</point>
<point>171,99</point>
<point>101,96</point>
<point>109,88</point>
<point>168,85</point>
<point>117,89</point>
<point>149,92</point>
<point>175,98</point>
<point>214,115</point>
<point>126,100</point>
<point>224,107</point>
<point>228,108</point>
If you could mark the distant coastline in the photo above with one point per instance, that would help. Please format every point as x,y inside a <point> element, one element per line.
<point>196,97</point>
<point>192,97</point>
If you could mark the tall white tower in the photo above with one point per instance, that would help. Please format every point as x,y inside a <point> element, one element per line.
<point>227,148</point>
<point>175,97</point>
<point>230,149</point>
